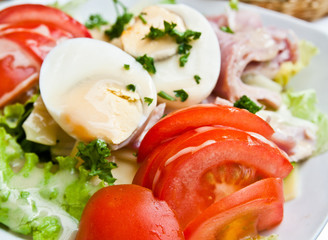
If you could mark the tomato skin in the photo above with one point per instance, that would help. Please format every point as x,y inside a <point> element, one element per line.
<point>201,115</point>
<point>224,161</point>
<point>19,71</point>
<point>127,212</point>
<point>261,202</point>
<point>35,29</point>
<point>143,176</point>
<point>33,15</point>
<point>34,43</point>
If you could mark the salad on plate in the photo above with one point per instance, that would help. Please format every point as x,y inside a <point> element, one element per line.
<point>165,122</point>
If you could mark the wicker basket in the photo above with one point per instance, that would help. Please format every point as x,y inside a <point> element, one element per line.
<point>305,9</point>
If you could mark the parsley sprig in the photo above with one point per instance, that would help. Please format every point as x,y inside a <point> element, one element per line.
<point>95,159</point>
<point>95,21</point>
<point>246,103</point>
<point>147,63</point>
<point>122,19</point>
<point>183,39</point>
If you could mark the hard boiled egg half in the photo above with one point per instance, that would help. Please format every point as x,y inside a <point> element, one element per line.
<point>94,90</point>
<point>197,78</point>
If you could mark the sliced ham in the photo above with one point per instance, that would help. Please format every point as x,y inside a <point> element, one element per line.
<point>251,49</point>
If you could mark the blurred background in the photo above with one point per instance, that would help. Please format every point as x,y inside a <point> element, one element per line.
<point>308,10</point>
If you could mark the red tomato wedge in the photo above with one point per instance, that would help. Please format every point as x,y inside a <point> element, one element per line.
<point>142,176</point>
<point>33,15</point>
<point>201,115</point>
<point>127,212</point>
<point>254,208</point>
<point>19,70</point>
<point>196,137</point>
<point>35,43</point>
<point>215,164</point>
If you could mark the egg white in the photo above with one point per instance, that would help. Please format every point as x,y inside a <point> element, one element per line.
<point>81,61</point>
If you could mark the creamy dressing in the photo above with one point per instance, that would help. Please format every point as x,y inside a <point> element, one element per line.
<point>36,206</point>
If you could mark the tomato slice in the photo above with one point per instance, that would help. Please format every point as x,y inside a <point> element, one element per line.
<point>142,176</point>
<point>217,163</point>
<point>34,15</point>
<point>201,115</point>
<point>36,44</point>
<point>127,212</point>
<point>244,213</point>
<point>19,71</point>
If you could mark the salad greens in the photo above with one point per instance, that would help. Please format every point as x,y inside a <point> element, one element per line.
<point>46,199</point>
<point>12,118</point>
<point>303,105</point>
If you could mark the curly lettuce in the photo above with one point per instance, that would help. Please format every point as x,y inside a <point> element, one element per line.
<point>302,104</point>
<point>41,199</point>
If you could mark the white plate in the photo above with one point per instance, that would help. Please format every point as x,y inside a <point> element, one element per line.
<point>305,216</point>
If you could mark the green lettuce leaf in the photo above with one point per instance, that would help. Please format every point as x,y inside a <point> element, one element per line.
<point>303,105</point>
<point>12,118</point>
<point>44,200</point>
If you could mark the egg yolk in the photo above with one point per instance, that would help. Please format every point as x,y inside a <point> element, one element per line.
<point>102,110</point>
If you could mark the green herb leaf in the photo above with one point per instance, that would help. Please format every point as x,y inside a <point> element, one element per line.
<point>143,20</point>
<point>147,63</point>
<point>197,79</point>
<point>122,19</point>
<point>233,4</point>
<point>131,87</point>
<point>246,103</point>
<point>126,66</point>
<point>168,2</point>
<point>166,96</point>
<point>148,100</point>
<point>95,21</point>
<point>155,33</point>
<point>181,94</point>
<point>184,48</point>
<point>184,59</point>
<point>226,29</point>
<point>95,160</point>
<point>182,38</point>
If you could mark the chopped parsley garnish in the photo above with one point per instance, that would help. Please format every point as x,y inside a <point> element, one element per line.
<point>148,100</point>
<point>166,96</point>
<point>184,59</point>
<point>147,63</point>
<point>95,21</point>
<point>122,19</point>
<point>197,79</point>
<point>246,103</point>
<point>233,4</point>
<point>95,160</point>
<point>168,2</point>
<point>143,20</point>
<point>226,29</point>
<point>131,87</point>
<point>126,66</point>
<point>181,38</point>
<point>181,94</point>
